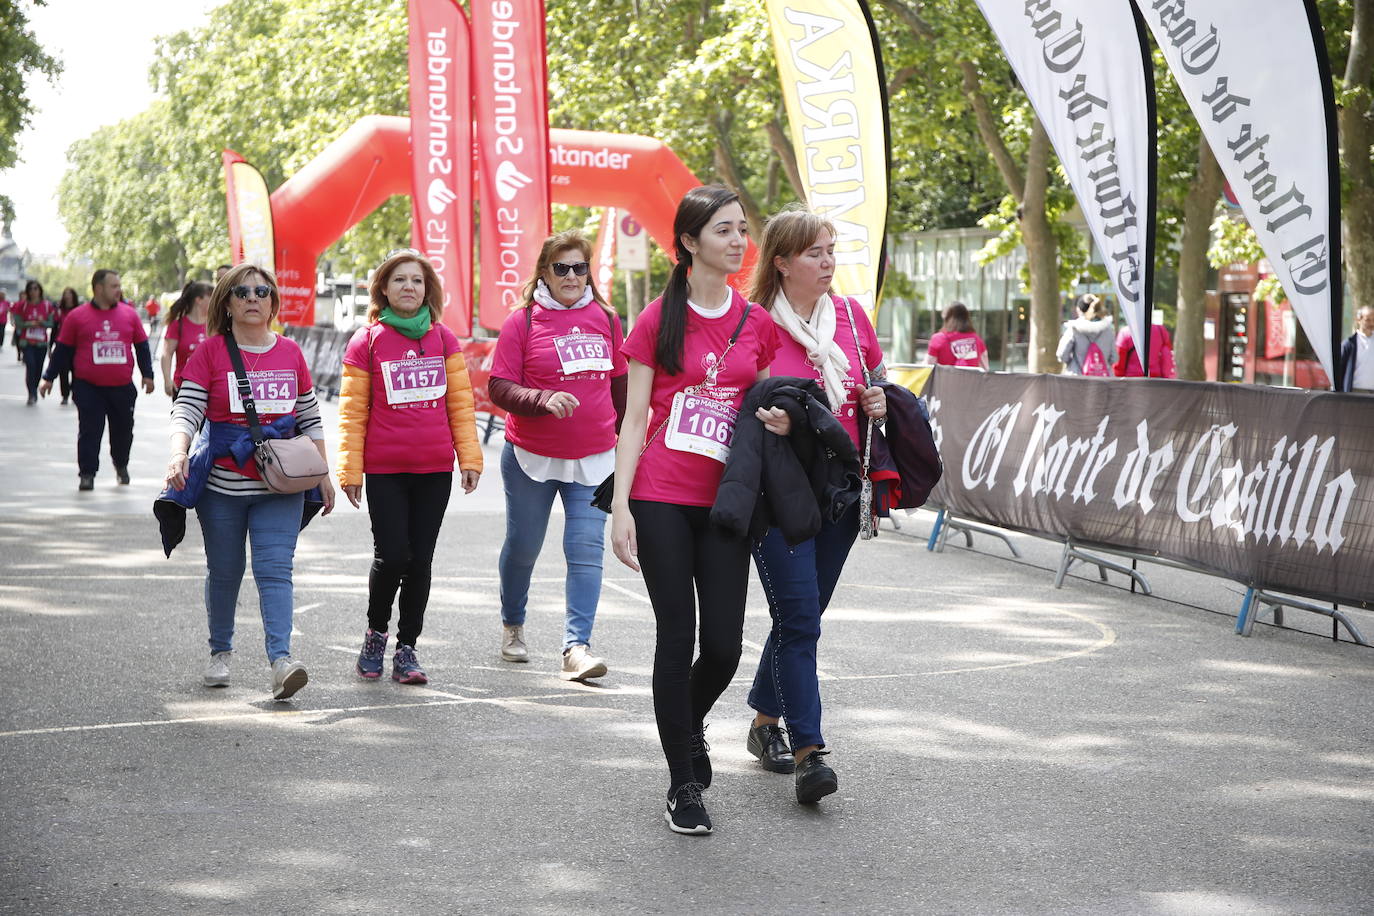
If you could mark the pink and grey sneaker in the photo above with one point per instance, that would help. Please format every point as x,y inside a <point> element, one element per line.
<point>372,659</point>
<point>405,667</point>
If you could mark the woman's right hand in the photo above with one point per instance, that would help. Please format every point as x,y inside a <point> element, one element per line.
<point>562,404</point>
<point>623,537</point>
<point>177,468</point>
<point>354,492</point>
<point>167,387</point>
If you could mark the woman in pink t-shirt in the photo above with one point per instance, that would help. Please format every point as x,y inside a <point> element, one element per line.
<point>831,339</point>
<point>957,344</point>
<point>405,409</point>
<point>67,304</point>
<point>560,374</point>
<point>33,317</point>
<point>236,507</point>
<point>693,355</point>
<point>184,333</point>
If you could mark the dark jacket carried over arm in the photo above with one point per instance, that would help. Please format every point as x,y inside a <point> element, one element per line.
<point>791,482</point>
<point>905,464</point>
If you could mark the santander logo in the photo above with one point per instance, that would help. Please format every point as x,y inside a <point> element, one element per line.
<point>439,197</point>
<point>510,180</point>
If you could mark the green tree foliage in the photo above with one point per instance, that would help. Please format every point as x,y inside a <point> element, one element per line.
<point>23,59</point>
<point>275,80</point>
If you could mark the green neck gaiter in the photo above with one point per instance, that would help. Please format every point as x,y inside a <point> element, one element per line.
<point>414,327</point>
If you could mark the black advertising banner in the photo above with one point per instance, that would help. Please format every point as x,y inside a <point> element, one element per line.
<point>1271,487</point>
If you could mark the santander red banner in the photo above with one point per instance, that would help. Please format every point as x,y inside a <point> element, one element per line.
<point>511,81</point>
<point>441,151</point>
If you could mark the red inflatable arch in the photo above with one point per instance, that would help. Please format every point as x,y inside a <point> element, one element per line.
<point>370,162</point>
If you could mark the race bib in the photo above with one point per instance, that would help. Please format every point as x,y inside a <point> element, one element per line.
<point>410,380</point>
<point>37,335</point>
<point>274,391</point>
<point>109,352</point>
<point>964,348</point>
<point>583,352</point>
<point>703,426</point>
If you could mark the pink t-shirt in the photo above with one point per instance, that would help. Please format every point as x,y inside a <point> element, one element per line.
<point>572,350</point>
<point>188,336</point>
<point>407,423</point>
<point>4,309</point>
<point>681,477</point>
<point>791,360</point>
<point>104,342</point>
<point>956,348</point>
<point>33,311</point>
<point>278,378</point>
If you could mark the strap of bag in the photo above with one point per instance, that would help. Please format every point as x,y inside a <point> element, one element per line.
<point>858,345</point>
<point>250,407</point>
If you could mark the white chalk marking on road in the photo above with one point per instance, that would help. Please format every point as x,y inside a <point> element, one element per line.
<point>308,607</point>
<point>275,714</point>
<point>625,591</point>
<point>1107,638</point>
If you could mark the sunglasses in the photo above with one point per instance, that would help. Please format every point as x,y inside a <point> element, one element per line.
<point>561,270</point>
<point>257,292</point>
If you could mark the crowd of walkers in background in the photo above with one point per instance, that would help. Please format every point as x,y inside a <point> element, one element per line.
<point>724,428</point>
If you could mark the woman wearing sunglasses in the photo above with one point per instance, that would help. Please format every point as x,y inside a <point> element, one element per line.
<point>559,373</point>
<point>235,505</point>
<point>693,355</point>
<point>405,408</point>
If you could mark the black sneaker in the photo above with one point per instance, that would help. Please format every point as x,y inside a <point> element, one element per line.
<point>123,475</point>
<point>701,758</point>
<point>87,482</point>
<point>769,745</point>
<point>815,779</point>
<point>687,811</point>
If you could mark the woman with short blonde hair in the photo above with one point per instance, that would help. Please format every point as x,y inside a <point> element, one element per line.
<point>231,499</point>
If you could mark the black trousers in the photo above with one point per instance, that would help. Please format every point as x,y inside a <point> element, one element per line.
<point>407,511</point>
<point>690,565</point>
<point>95,404</point>
<point>33,366</point>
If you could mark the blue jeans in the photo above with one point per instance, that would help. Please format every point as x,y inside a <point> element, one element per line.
<point>528,504</point>
<point>798,582</point>
<point>272,521</point>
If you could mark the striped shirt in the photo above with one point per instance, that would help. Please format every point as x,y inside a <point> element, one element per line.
<point>189,413</point>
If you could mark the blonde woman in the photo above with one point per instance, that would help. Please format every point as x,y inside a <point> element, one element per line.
<point>220,478</point>
<point>405,409</point>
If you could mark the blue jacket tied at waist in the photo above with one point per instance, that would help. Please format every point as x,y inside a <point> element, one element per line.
<point>216,440</point>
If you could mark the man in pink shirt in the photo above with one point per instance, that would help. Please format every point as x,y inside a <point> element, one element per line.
<point>99,341</point>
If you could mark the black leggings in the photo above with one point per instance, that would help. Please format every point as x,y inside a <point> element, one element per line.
<point>406,511</point>
<point>679,548</point>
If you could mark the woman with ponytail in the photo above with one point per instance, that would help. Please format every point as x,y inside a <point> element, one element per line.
<point>693,354</point>
<point>184,333</point>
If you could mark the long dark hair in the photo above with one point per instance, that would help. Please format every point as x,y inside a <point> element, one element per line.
<point>694,212</point>
<point>189,294</point>
<point>956,319</point>
<point>30,285</point>
<point>62,301</point>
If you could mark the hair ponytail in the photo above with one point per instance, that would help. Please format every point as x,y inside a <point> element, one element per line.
<point>694,212</point>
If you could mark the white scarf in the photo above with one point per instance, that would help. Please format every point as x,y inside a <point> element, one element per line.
<point>546,299</point>
<point>817,337</point>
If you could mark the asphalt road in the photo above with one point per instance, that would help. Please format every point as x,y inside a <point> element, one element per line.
<point>1002,746</point>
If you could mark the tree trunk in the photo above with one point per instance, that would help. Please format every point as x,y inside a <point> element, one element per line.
<point>1199,207</point>
<point>1356,137</point>
<point>1042,255</point>
<point>727,167</point>
<point>787,156</point>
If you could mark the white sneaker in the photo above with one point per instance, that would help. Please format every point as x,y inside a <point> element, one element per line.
<point>288,676</point>
<point>579,664</point>
<point>513,644</point>
<point>217,672</point>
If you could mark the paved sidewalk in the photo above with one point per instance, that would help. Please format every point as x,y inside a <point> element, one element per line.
<point>1002,746</point>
